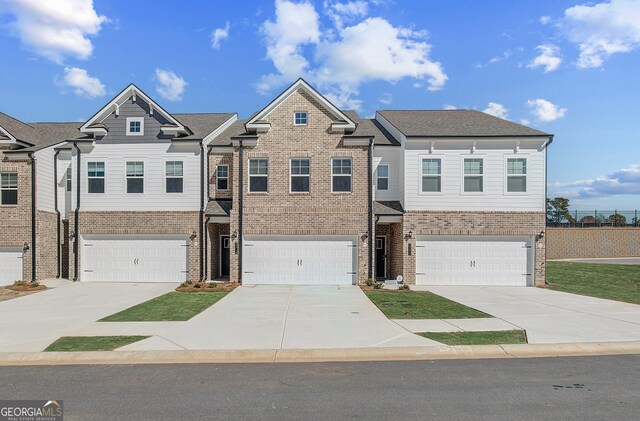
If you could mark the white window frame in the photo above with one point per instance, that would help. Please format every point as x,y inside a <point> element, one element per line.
<point>473,193</point>
<point>525,175</point>
<point>295,119</point>
<point>133,120</point>
<point>227,177</point>
<point>10,188</point>
<point>378,177</point>
<point>127,176</point>
<point>68,179</point>
<point>338,175</point>
<point>104,177</point>
<point>431,193</point>
<point>257,175</point>
<point>167,177</point>
<point>291,175</point>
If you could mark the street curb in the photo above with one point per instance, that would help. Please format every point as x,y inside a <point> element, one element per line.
<point>319,355</point>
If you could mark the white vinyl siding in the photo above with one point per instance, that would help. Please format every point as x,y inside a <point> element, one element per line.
<point>155,197</point>
<point>388,156</point>
<point>494,196</point>
<point>44,179</point>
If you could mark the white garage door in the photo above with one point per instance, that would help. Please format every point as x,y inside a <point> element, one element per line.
<point>134,259</point>
<point>10,265</point>
<point>474,261</point>
<point>301,260</point>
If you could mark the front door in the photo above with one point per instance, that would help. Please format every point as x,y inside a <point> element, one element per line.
<point>225,256</point>
<point>381,257</point>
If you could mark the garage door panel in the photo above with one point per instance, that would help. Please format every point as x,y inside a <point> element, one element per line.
<point>10,265</point>
<point>473,261</point>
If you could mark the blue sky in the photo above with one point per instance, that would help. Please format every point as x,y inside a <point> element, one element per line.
<point>565,67</point>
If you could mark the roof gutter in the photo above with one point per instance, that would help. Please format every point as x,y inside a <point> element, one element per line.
<point>55,200</point>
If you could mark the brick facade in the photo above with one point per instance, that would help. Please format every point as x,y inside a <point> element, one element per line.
<point>46,245</point>
<point>214,161</point>
<point>140,223</point>
<point>319,212</point>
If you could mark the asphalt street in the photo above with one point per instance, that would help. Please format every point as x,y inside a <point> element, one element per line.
<point>583,388</point>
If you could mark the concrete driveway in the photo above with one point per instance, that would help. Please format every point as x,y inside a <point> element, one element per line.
<point>550,316</point>
<point>286,317</point>
<point>32,322</point>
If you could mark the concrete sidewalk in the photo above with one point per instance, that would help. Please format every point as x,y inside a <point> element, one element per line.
<point>286,317</point>
<point>548,316</point>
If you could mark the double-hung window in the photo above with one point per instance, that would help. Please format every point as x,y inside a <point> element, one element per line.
<point>174,173</point>
<point>516,175</point>
<point>222,177</point>
<point>431,175</point>
<point>473,175</point>
<point>9,188</point>
<point>95,176</point>
<point>383,177</point>
<point>300,175</point>
<point>68,179</point>
<point>258,175</point>
<point>300,118</point>
<point>135,177</point>
<point>341,175</point>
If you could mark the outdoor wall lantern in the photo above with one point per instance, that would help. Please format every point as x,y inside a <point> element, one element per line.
<point>72,235</point>
<point>540,236</point>
<point>408,235</point>
<point>25,247</point>
<point>235,234</point>
<point>194,234</point>
<point>364,237</point>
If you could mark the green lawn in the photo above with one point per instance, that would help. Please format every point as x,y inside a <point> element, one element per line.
<point>174,306</point>
<point>478,338</point>
<point>92,343</point>
<point>614,282</point>
<point>420,305</point>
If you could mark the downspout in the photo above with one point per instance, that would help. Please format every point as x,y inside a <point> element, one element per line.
<point>370,186</point>
<point>206,223</point>
<point>241,191</point>
<point>33,217</point>
<point>55,200</point>
<point>201,212</point>
<point>76,225</point>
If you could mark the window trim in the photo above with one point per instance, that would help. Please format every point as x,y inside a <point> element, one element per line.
<point>10,189</point>
<point>306,118</point>
<point>350,175</point>
<point>257,175</point>
<point>166,177</point>
<point>431,193</point>
<point>104,177</point>
<point>227,177</point>
<point>132,120</point>
<point>525,175</point>
<point>291,175</point>
<point>378,177</point>
<point>126,176</point>
<point>473,193</point>
<point>68,180</point>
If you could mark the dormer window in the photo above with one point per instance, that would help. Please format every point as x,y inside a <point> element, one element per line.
<point>300,118</point>
<point>135,126</point>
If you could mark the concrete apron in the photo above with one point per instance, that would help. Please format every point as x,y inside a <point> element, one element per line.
<point>319,355</point>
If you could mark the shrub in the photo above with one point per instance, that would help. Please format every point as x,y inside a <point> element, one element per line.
<point>212,285</point>
<point>404,287</point>
<point>197,285</point>
<point>370,282</point>
<point>18,283</point>
<point>377,285</point>
<point>34,284</point>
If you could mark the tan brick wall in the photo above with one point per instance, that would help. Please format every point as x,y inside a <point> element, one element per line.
<point>149,223</point>
<point>15,220</point>
<point>46,241</point>
<point>319,212</point>
<point>214,161</point>
<point>602,242</point>
<point>522,224</point>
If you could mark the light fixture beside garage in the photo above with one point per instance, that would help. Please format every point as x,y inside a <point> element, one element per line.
<point>540,236</point>
<point>193,235</point>
<point>364,237</point>
<point>25,247</point>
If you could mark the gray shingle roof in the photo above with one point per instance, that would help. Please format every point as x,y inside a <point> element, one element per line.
<point>370,127</point>
<point>387,208</point>
<point>218,207</point>
<point>236,129</point>
<point>201,124</point>
<point>19,130</point>
<point>455,123</point>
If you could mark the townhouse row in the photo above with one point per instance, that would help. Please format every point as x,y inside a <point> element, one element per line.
<point>301,192</point>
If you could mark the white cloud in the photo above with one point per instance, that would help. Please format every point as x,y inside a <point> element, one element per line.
<point>497,110</point>
<point>170,86</point>
<point>494,60</point>
<point>544,110</point>
<point>549,58</point>
<point>545,20</point>
<point>56,29</point>
<point>218,35</point>
<point>81,83</point>
<point>603,29</point>
<point>386,98</point>
<point>345,12</point>
<point>620,182</point>
<point>525,121</point>
<point>344,58</point>
<point>449,107</point>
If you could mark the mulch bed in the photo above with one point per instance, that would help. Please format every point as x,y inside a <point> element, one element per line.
<point>366,287</point>
<point>204,287</point>
<point>26,288</point>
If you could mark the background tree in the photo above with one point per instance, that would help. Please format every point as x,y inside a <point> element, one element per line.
<point>616,219</point>
<point>558,210</point>
<point>589,219</point>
